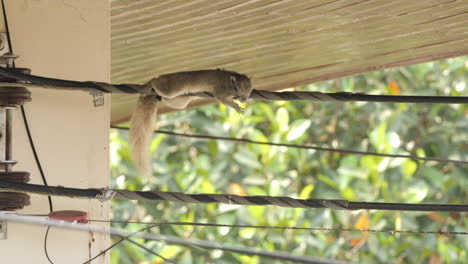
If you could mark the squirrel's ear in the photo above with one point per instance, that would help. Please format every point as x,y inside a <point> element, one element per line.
<point>233,80</point>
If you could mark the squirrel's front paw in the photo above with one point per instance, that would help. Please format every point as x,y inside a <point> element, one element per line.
<point>240,110</point>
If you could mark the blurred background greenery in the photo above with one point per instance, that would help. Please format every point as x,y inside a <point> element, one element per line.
<point>209,166</point>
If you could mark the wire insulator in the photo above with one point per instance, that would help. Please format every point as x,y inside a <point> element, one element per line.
<point>14,96</point>
<point>11,201</point>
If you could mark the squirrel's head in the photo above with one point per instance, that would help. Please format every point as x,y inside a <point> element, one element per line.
<point>242,85</point>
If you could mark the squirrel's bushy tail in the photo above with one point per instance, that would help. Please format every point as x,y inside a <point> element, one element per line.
<point>141,131</point>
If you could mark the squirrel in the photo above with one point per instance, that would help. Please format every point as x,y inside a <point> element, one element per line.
<point>225,86</point>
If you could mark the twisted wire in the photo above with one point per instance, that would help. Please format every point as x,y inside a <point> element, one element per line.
<point>256,94</point>
<point>155,195</point>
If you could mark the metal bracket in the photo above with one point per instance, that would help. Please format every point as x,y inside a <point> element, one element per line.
<point>3,224</point>
<point>98,97</point>
<point>9,98</point>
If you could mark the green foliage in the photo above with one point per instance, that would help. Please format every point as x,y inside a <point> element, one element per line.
<point>208,166</point>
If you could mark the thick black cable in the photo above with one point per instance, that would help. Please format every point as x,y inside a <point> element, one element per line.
<point>66,83</point>
<point>52,190</point>
<point>104,194</point>
<point>48,81</point>
<point>337,150</point>
<point>360,97</point>
<point>261,95</point>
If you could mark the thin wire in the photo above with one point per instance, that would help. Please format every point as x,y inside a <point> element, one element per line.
<point>285,227</point>
<point>168,239</point>
<point>150,250</point>
<point>45,245</point>
<point>345,151</point>
<point>104,251</point>
<point>36,156</point>
<point>115,244</point>
<point>41,171</point>
<point>391,231</point>
<point>28,131</point>
<point>123,238</point>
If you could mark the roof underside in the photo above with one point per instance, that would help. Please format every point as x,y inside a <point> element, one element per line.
<point>282,43</point>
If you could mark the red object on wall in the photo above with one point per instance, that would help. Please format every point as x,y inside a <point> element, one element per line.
<point>70,215</point>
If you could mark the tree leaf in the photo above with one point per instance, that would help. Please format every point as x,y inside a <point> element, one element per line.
<point>298,128</point>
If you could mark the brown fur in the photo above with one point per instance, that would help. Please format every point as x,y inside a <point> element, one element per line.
<point>225,86</point>
<point>141,131</point>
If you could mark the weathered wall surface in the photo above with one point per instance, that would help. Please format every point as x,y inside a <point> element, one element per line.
<point>282,43</point>
<point>64,39</point>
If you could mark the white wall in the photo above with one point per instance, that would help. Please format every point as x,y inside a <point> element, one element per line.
<point>66,39</point>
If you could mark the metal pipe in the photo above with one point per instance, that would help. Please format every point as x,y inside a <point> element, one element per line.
<point>8,138</point>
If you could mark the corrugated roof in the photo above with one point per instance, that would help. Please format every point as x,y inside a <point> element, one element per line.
<point>282,43</point>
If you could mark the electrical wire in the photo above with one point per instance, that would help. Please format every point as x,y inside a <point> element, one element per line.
<point>157,224</point>
<point>284,227</point>
<point>389,231</point>
<point>67,84</point>
<point>150,251</point>
<point>36,156</point>
<point>123,238</point>
<point>46,236</point>
<point>261,95</point>
<point>168,239</point>
<point>344,151</point>
<point>231,199</point>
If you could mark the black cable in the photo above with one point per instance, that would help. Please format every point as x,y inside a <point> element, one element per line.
<point>198,224</point>
<point>52,190</point>
<point>150,251</point>
<point>131,241</point>
<point>282,227</point>
<point>226,199</point>
<point>118,242</point>
<point>338,150</point>
<point>350,97</point>
<point>41,171</point>
<point>261,95</point>
<point>36,156</point>
<point>45,245</point>
<point>48,81</point>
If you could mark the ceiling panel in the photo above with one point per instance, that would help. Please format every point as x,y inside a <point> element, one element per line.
<point>282,43</point>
